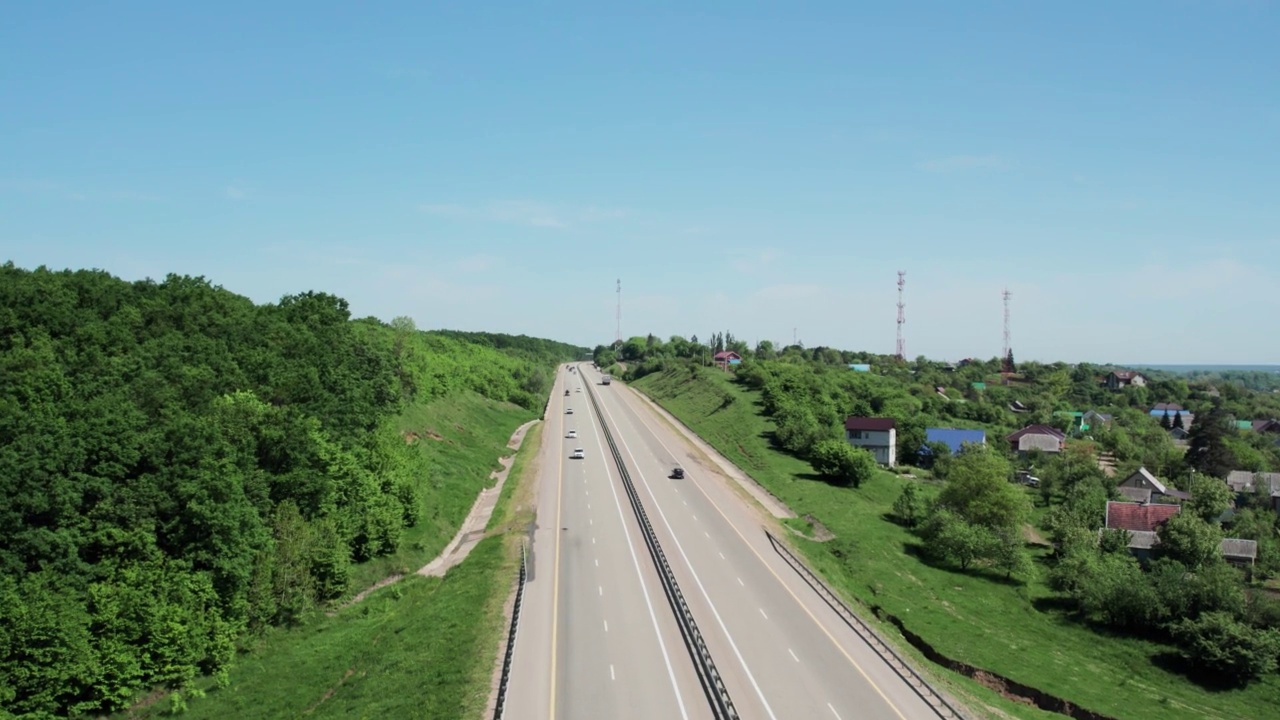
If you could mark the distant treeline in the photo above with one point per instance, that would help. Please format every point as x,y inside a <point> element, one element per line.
<point>181,467</point>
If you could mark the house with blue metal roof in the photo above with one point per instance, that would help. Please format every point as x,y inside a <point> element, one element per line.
<point>953,437</point>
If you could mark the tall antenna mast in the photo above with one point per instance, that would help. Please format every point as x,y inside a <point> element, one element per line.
<point>618,336</point>
<point>902,315</point>
<point>1004,355</point>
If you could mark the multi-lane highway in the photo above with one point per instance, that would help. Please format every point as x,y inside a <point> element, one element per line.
<point>598,637</point>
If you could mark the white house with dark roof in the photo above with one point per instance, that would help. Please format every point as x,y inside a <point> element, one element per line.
<point>879,436</point>
<point>1120,379</point>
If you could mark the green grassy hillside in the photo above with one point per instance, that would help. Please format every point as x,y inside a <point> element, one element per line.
<point>460,439</point>
<point>1014,630</point>
<point>423,647</point>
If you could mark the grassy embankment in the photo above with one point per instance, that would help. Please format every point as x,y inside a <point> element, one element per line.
<point>424,647</point>
<point>1014,630</point>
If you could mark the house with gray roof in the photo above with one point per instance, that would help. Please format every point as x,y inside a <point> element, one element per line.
<point>1243,481</point>
<point>1142,521</point>
<point>1143,479</point>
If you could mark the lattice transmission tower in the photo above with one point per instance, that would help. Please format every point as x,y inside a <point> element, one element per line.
<point>1004,353</point>
<point>902,315</point>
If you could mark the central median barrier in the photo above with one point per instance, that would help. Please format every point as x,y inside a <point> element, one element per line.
<point>708,675</point>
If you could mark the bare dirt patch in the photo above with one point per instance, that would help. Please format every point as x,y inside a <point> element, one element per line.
<point>1033,536</point>
<point>471,532</point>
<point>820,531</point>
<point>991,682</point>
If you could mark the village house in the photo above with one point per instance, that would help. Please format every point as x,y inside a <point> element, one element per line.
<point>1095,419</point>
<point>1244,481</point>
<point>1143,520</point>
<point>1270,426</point>
<point>1172,411</point>
<point>1142,480</point>
<point>954,438</point>
<point>725,358</point>
<point>1037,437</point>
<point>879,436</point>
<point>1121,379</point>
<point>1074,418</point>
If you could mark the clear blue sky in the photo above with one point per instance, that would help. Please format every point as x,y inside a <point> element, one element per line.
<point>744,166</point>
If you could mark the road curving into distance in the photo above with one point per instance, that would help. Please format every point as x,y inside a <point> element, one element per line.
<point>599,637</point>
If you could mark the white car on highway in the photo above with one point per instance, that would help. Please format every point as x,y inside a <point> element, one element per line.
<point>569,411</point>
<point>578,454</point>
<point>572,434</point>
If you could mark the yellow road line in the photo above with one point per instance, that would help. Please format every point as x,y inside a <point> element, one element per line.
<point>786,587</point>
<point>555,581</point>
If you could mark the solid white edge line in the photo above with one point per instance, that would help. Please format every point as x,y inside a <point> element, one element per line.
<point>644,588</point>
<point>706,596</point>
<point>793,654</point>
<point>875,686</point>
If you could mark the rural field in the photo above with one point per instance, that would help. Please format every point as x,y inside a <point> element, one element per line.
<point>1013,629</point>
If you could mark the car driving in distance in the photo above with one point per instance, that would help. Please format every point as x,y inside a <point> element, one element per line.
<point>568,411</point>
<point>572,434</point>
<point>677,473</point>
<point>578,454</point>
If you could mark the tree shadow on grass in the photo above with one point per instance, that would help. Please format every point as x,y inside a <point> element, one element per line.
<point>919,551</point>
<point>1173,662</point>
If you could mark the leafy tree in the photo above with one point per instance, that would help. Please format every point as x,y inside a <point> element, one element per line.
<point>1115,591</point>
<point>841,462</point>
<point>937,456</point>
<point>1188,539</point>
<point>950,538</point>
<point>1210,497</point>
<point>978,490</point>
<point>910,507</point>
<point>1114,541</point>
<point>1219,643</point>
<point>1008,554</point>
<point>180,466</point>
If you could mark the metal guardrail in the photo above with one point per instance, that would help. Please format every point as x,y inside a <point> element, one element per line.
<point>922,688</point>
<point>708,675</point>
<point>501,702</point>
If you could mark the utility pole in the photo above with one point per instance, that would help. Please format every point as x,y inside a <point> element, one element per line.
<point>1004,356</point>
<point>617,340</point>
<point>902,315</point>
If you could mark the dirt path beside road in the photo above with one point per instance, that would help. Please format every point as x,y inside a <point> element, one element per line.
<point>473,527</point>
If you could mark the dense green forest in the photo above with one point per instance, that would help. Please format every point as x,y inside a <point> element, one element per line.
<point>1225,622</point>
<point>182,467</point>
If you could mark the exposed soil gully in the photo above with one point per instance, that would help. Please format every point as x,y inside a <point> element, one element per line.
<point>1010,689</point>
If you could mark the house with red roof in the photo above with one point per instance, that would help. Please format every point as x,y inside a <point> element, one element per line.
<point>879,436</point>
<point>1121,379</point>
<point>1037,437</point>
<point>725,358</point>
<point>1138,517</point>
<point>1143,520</point>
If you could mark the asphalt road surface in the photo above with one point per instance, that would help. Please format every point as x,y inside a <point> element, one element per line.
<point>597,638</point>
<point>783,653</point>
